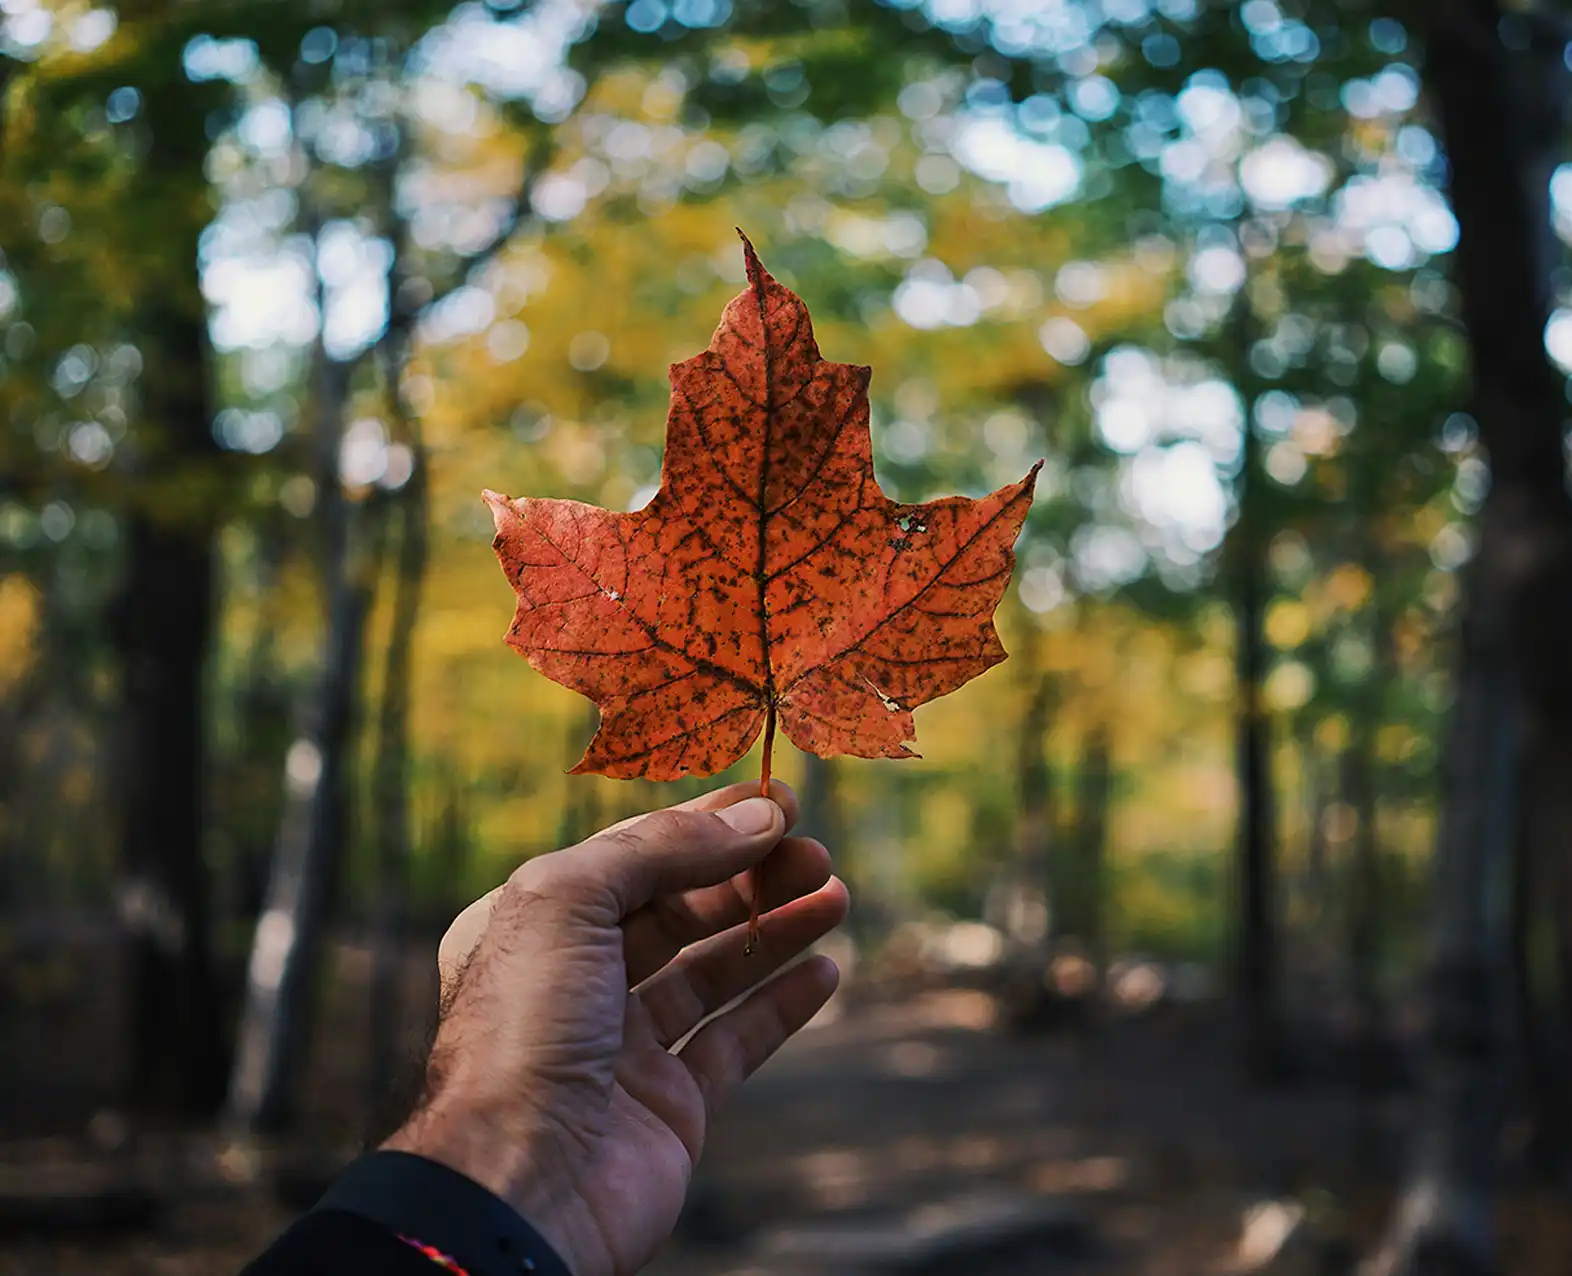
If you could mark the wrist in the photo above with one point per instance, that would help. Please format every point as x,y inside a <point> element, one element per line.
<point>523,1171</point>
<point>443,1213</point>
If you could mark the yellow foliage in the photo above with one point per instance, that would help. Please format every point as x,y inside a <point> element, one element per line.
<point>1396,742</point>
<point>1289,686</point>
<point>1331,733</point>
<point>21,611</point>
<point>1346,588</point>
<point>1287,623</point>
<point>1206,675</point>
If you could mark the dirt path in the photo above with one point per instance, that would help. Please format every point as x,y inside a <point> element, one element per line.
<point>1138,1139</point>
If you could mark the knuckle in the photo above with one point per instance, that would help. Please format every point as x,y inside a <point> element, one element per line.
<point>668,830</point>
<point>544,878</point>
<point>623,840</point>
<point>533,874</point>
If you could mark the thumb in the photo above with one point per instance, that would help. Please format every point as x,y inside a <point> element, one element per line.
<point>631,863</point>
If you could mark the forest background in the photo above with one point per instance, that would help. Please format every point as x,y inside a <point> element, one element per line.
<point>1278,289</point>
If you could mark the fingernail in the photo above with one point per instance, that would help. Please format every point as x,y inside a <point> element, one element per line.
<point>756,815</point>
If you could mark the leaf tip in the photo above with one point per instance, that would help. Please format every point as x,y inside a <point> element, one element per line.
<point>757,275</point>
<point>1027,487</point>
<point>501,506</point>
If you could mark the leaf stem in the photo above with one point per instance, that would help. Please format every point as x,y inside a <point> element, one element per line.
<point>755,876</point>
<point>769,745</point>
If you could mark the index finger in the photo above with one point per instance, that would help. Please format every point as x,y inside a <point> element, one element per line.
<point>459,941</point>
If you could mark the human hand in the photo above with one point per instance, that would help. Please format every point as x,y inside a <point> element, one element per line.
<point>552,1079</point>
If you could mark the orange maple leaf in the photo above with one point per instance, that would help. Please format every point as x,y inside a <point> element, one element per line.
<point>769,579</point>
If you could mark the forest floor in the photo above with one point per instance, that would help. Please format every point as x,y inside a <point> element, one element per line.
<point>883,1134</point>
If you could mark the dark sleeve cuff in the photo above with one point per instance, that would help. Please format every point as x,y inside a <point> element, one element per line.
<point>333,1243</point>
<point>428,1203</point>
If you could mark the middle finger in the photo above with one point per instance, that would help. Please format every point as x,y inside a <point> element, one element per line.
<point>656,933</point>
<point>712,973</point>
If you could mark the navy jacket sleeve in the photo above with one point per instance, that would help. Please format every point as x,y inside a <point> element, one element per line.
<point>397,1214</point>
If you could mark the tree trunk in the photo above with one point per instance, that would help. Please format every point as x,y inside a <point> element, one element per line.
<point>820,815</point>
<point>1360,783</point>
<point>1093,793</point>
<point>1363,926</point>
<point>161,626</point>
<point>390,780</point>
<point>449,852</point>
<point>8,66</point>
<point>1317,789</point>
<point>1561,938</point>
<point>1036,871</point>
<point>162,895</point>
<point>1501,115</point>
<point>1561,903</point>
<point>262,707</point>
<point>1545,829</point>
<point>820,802</point>
<point>1444,1222</point>
<point>581,814</point>
<point>1255,949</point>
<point>286,947</point>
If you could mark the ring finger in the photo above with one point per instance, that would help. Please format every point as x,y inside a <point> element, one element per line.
<point>707,975</point>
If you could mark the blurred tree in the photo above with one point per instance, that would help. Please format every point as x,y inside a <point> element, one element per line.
<point>361,482</point>
<point>1537,926</point>
<point>1037,864</point>
<point>161,627</point>
<point>1368,460</point>
<point>312,829</point>
<point>1500,84</point>
<point>391,776</point>
<point>821,815</point>
<point>1093,803</point>
<point>1256,970</point>
<point>1041,226</point>
<point>247,765</point>
<point>170,493</point>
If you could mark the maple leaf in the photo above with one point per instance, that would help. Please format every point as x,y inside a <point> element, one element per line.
<point>769,579</point>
